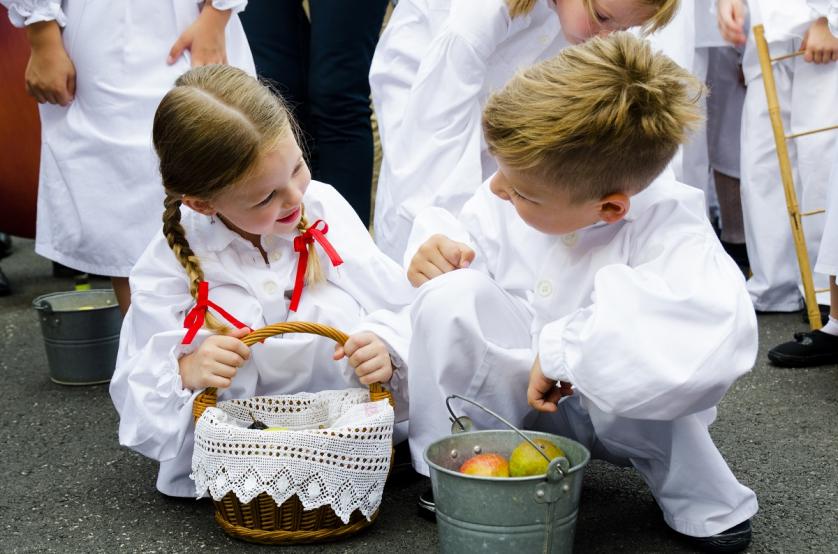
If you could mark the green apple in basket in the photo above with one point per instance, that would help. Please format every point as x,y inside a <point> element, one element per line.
<point>526,461</point>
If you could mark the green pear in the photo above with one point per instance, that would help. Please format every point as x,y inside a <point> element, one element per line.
<point>526,461</point>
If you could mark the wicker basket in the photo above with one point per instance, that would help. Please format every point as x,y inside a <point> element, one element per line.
<point>262,520</point>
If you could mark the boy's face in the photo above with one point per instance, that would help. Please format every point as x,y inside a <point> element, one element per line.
<point>548,208</point>
<point>611,15</point>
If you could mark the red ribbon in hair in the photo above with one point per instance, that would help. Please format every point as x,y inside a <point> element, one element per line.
<point>195,318</point>
<point>301,242</point>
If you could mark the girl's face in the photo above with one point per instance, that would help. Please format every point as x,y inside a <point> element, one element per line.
<point>611,15</point>
<point>269,202</point>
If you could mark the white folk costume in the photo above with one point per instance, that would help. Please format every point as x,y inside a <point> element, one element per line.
<point>648,318</point>
<point>100,196</point>
<point>807,97</point>
<point>432,72</point>
<point>361,293</point>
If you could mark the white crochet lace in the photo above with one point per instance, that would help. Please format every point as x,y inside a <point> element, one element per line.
<point>336,450</point>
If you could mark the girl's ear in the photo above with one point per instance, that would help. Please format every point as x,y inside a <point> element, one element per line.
<point>201,206</point>
<point>614,207</point>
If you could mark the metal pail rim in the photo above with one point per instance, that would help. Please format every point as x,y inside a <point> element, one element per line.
<point>42,302</point>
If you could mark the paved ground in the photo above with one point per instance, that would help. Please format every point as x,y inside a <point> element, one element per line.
<point>67,486</point>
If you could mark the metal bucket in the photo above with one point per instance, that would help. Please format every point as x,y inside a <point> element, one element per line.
<point>514,514</point>
<point>81,335</point>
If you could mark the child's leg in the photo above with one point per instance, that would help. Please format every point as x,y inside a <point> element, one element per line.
<point>472,338</point>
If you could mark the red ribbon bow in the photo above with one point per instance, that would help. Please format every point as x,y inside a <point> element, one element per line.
<point>301,242</point>
<point>195,318</point>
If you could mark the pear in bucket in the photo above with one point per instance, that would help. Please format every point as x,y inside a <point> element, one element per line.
<point>525,461</point>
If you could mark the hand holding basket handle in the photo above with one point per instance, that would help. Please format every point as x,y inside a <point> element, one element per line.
<point>209,396</point>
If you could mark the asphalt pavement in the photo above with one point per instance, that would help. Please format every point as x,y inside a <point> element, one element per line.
<point>67,485</point>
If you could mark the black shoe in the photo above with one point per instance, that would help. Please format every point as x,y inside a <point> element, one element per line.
<point>427,507</point>
<point>808,349</point>
<point>735,539</point>
<point>5,287</point>
<point>823,309</point>
<point>5,245</point>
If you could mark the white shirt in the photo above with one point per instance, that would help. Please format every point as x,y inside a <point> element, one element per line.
<point>648,318</point>
<point>361,294</point>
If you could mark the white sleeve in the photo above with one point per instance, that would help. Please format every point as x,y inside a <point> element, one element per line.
<point>235,5</point>
<point>435,157</point>
<point>27,12</point>
<point>662,339</point>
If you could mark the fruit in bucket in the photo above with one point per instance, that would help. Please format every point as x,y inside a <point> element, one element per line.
<point>486,465</point>
<point>276,429</point>
<point>526,461</point>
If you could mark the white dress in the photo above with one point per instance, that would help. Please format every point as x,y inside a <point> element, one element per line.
<point>364,293</point>
<point>432,72</point>
<point>99,198</point>
<point>648,318</point>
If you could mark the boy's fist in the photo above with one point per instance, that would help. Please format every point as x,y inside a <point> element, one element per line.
<point>215,362</point>
<point>369,356</point>
<point>731,19</point>
<point>542,393</point>
<point>436,256</point>
<point>819,45</point>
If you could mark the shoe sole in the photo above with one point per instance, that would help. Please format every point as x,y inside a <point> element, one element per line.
<point>785,360</point>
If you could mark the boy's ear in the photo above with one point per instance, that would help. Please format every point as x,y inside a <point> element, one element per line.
<point>201,206</point>
<point>614,207</point>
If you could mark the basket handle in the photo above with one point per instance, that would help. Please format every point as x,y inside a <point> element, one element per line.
<point>209,396</point>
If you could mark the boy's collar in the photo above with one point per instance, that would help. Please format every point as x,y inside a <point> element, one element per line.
<point>641,201</point>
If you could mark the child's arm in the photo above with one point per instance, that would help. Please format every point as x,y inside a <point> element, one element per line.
<point>731,16</point>
<point>205,38</point>
<point>436,256</point>
<point>819,44</point>
<point>369,356</point>
<point>215,362</point>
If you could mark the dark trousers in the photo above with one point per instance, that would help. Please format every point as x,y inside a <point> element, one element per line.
<point>321,68</point>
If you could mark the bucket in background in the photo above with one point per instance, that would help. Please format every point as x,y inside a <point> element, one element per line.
<point>514,514</point>
<point>81,335</point>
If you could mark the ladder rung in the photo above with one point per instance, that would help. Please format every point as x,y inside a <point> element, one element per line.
<point>787,56</point>
<point>822,290</point>
<point>812,132</point>
<point>813,212</point>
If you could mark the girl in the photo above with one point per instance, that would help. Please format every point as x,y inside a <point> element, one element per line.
<point>99,69</point>
<point>433,69</point>
<point>228,152</point>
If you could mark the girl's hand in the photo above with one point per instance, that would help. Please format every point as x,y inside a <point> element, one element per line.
<point>50,74</point>
<point>215,362</point>
<point>436,256</point>
<point>820,45</point>
<point>542,393</point>
<point>204,38</point>
<point>369,356</point>
<point>731,19</point>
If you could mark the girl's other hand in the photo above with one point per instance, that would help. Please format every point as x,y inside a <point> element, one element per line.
<point>819,44</point>
<point>370,357</point>
<point>50,74</point>
<point>436,256</point>
<point>204,38</point>
<point>215,362</point>
<point>731,19</point>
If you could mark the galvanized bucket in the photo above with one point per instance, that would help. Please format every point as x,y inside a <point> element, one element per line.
<point>81,335</point>
<point>514,514</point>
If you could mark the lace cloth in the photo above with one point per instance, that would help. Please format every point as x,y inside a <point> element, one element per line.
<point>335,450</point>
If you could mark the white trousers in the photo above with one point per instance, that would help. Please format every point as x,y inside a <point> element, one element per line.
<point>473,338</point>
<point>807,100</point>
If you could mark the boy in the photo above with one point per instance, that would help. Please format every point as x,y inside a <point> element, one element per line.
<point>585,270</point>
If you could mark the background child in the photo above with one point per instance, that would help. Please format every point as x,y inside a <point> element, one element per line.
<point>616,286</point>
<point>99,69</point>
<point>228,152</point>
<point>431,73</point>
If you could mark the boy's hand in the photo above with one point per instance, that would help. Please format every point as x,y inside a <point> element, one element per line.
<point>204,38</point>
<point>369,356</point>
<point>731,18</point>
<point>820,45</point>
<point>50,74</point>
<point>436,256</point>
<point>542,393</point>
<point>215,362</point>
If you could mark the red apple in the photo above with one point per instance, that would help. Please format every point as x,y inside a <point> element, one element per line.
<point>486,465</point>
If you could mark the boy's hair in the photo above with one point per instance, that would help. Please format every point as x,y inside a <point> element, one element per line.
<point>210,132</point>
<point>664,10</point>
<point>602,117</point>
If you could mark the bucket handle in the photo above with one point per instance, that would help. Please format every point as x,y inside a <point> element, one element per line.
<point>557,467</point>
<point>43,306</point>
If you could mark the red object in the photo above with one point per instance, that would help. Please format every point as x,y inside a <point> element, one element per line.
<point>301,247</point>
<point>20,138</point>
<point>196,316</point>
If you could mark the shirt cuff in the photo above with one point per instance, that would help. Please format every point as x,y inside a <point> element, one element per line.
<point>551,352</point>
<point>235,5</point>
<point>22,15</point>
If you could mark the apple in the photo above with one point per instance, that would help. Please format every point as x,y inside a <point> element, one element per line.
<point>526,461</point>
<point>486,465</point>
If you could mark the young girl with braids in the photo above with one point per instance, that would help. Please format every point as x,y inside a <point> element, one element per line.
<point>248,239</point>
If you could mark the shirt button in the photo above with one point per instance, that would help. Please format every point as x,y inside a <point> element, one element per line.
<point>543,40</point>
<point>270,287</point>
<point>275,256</point>
<point>544,288</point>
<point>570,239</point>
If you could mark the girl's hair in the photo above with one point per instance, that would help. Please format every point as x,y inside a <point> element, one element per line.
<point>601,117</point>
<point>664,10</point>
<point>210,131</point>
